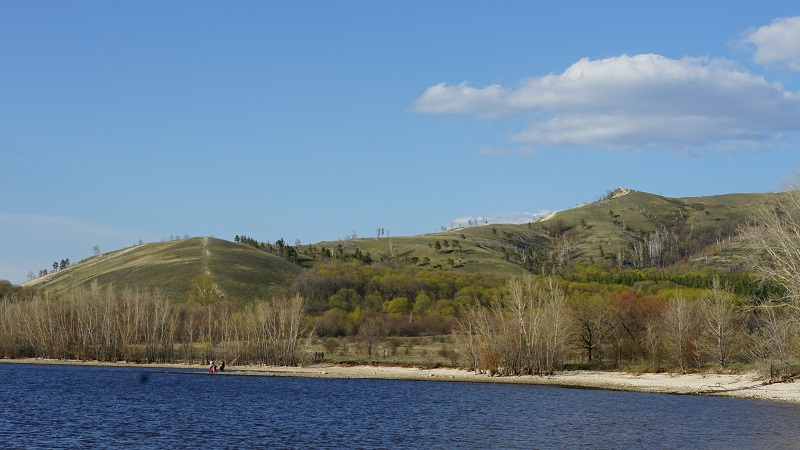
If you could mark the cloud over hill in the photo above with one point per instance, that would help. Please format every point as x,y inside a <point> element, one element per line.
<point>643,100</point>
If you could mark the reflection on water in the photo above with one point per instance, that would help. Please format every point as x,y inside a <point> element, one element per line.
<point>69,406</point>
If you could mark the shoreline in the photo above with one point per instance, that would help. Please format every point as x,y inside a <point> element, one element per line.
<point>746,385</point>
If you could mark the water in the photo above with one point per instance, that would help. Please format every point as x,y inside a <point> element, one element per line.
<point>95,407</point>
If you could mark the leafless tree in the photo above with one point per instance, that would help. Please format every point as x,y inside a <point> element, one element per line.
<point>773,235</point>
<point>204,291</point>
<point>721,327</point>
<point>465,337</point>
<point>279,330</point>
<point>776,340</point>
<point>652,340</point>
<point>592,323</point>
<point>555,326</point>
<point>679,326</point>
<point>520,295</point>
<point>524,330</point>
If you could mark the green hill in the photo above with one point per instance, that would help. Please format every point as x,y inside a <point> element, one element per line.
<point>240,271</point>
<point>475,249</point>
<point>624,229</point>
<point>647,229</point>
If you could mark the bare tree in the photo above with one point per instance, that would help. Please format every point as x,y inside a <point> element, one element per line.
<point>720,317</point>
<point>773,235</point>
<point>204,291</point>
<point>554,326</point>
<point>776,339</point>
<point>679,327</point>
<point>525,329</point>
<point>369,332</point>
<point>592,323</point>
<point>652,340</point>
<point>521,294</point>
<point>279,329</point>
<point>466,339</point>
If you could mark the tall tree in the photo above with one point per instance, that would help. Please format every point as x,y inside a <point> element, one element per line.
<point>203,291</point>
<point>592,316</point>
<point>773,235</point>
<point>719,315</point>
<point>679,321</point>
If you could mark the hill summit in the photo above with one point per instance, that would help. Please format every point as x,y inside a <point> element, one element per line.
<point>238,271</point>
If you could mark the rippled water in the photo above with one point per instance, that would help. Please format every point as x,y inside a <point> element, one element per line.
<point>92,407</point>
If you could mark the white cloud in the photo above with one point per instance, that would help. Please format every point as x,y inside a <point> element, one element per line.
<point>632,102</point>
<point>777,43</point>
<point>514,217</point>
<point>464,99</point>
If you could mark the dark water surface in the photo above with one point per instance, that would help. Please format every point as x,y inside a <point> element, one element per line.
<point>96,407</point>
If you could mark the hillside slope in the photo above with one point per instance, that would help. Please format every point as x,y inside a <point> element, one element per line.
<point>640,229</point>
<point>240,271</point>
<point>627,228</point>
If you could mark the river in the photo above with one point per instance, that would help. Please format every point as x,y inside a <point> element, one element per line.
<point>54,406</point>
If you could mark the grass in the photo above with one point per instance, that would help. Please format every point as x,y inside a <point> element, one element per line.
<point>242,272</point>
<point>613,224</point>
<point>617,222</point>
<point>479,252</point>
<point>416,351</point>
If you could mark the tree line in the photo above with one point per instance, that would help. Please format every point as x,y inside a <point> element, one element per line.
<point>534,326</point>
<point>646,319</point>
<point>525,325</point>
<point>100,323</point>
<point>703,320</point>
<point>404,300</point>
<point>63,264</point>
<point>279,248</point>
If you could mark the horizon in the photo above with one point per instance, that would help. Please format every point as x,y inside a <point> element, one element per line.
<point>313,123</point>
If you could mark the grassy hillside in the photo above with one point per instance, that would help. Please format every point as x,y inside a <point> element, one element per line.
<point>241,272</point>
<point>482,249</point>
<point>627,228</point>
<point>699,228</point>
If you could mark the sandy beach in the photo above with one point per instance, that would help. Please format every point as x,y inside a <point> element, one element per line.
<point>745,385</point>
<point>749,385</point>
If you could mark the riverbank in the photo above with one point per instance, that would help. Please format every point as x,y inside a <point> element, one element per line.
<point>741,385</point>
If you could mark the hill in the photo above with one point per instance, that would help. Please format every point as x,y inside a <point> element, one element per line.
<point>626,228</point>
<point>240,271</point>
<point>632,228</point>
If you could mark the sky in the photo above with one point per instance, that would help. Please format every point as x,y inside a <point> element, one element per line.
<point>127,122</point>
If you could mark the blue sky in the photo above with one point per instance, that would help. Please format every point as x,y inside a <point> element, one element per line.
<point>315,120</point>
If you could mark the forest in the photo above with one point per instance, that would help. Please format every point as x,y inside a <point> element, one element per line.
<point>352,307</point>
<point>355,311</point>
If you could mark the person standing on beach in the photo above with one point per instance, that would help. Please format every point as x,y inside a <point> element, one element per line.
<point>211,366</point>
